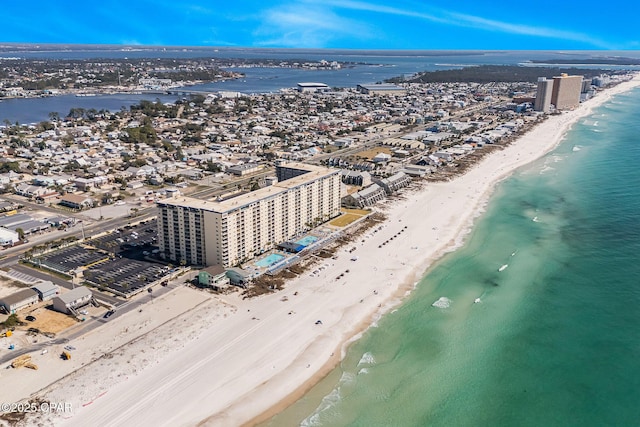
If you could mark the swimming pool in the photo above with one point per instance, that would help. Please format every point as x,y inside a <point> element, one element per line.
<point>269,260</point>
<point>307,240</point>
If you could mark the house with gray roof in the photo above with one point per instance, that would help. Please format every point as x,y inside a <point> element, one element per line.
<point>19,300</point>
<point>46,290</point>
<point>69,301</point>
<point>364,198</point>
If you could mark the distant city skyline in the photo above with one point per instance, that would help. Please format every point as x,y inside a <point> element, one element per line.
<point>348,24</point>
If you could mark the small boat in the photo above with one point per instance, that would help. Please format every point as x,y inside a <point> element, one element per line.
<point>503,267</point>
<point>477,300</point>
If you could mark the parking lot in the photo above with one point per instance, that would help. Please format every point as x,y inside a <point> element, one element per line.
<point>124,261</point>
<point>71,258</point>
<point>125,275</point>
<point>142,236</point>
<point>133,267</point>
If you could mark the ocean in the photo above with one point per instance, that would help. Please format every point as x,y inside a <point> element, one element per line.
<point>554,339</point>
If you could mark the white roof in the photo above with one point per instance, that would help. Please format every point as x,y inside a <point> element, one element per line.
<point>45,286</point>
<point>75,294</point>
<point>312,84</point>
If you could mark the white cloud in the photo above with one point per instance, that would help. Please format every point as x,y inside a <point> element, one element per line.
<point>492,25</point>
<point>468,21</point>
<point>307,25</point>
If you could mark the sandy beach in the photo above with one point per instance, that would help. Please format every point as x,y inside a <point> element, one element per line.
<point>227,362</point>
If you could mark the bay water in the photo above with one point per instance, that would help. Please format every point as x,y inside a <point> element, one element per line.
<point>365,67</point>
<point>554,339</point>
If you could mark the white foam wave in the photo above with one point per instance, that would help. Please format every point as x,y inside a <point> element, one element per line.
<point>329,401</point>
<point>367,359</point>
<point>576,148</point>
<point>546,169</point>
<point>442,302</point>
<point>363,371</point>
<point>346,378</point>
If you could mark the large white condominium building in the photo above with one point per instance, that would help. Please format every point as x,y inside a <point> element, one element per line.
<point>229,232</point>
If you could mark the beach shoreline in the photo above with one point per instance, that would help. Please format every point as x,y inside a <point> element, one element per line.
<point>244,367</point>
<point>408,285</point>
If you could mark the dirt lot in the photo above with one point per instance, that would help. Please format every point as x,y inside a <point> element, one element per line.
<point>348,216</point>
<point>47,320</point>
<point>371,153</point>
<point>344,220</point>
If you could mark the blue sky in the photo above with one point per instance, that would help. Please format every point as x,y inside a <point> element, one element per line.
<point>349,24</point>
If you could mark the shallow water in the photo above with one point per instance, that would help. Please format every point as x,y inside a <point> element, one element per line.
<point>554,339</point>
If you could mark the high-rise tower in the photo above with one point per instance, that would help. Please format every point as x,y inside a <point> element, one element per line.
<point>566,91</point>
<point>543,95</point>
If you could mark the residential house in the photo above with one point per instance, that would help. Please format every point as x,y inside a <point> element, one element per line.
<point>76,201</point>
<point>361,179</point>
<point>68,302</point>
<point>364,198</point>
<point>46,290</point>
<point>19,300</point>
<point>27,190</point>
<point>394,182</point>
<point>214,277</point>
<point>238,276</point>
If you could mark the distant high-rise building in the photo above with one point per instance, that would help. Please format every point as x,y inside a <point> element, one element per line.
<point>543,96</point>
<point>566,91</point>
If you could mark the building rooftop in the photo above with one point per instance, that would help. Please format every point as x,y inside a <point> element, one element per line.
<point>74,198</point>
<point>75,294</point>
<point>381,86</point>
<point>312,84</point>
<point>315,172</point>
<point>19,296</point>
<point>215,270</point>
<point>45,287</point>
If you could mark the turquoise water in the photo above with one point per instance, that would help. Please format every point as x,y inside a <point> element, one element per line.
<point>555,340</point>
<point>269,260</point>
<point>307,240</point>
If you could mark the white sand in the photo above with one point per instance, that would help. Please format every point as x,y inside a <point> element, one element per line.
<point>254,358</point>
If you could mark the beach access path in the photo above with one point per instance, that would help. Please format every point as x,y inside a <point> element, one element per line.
<point>251,360</point>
